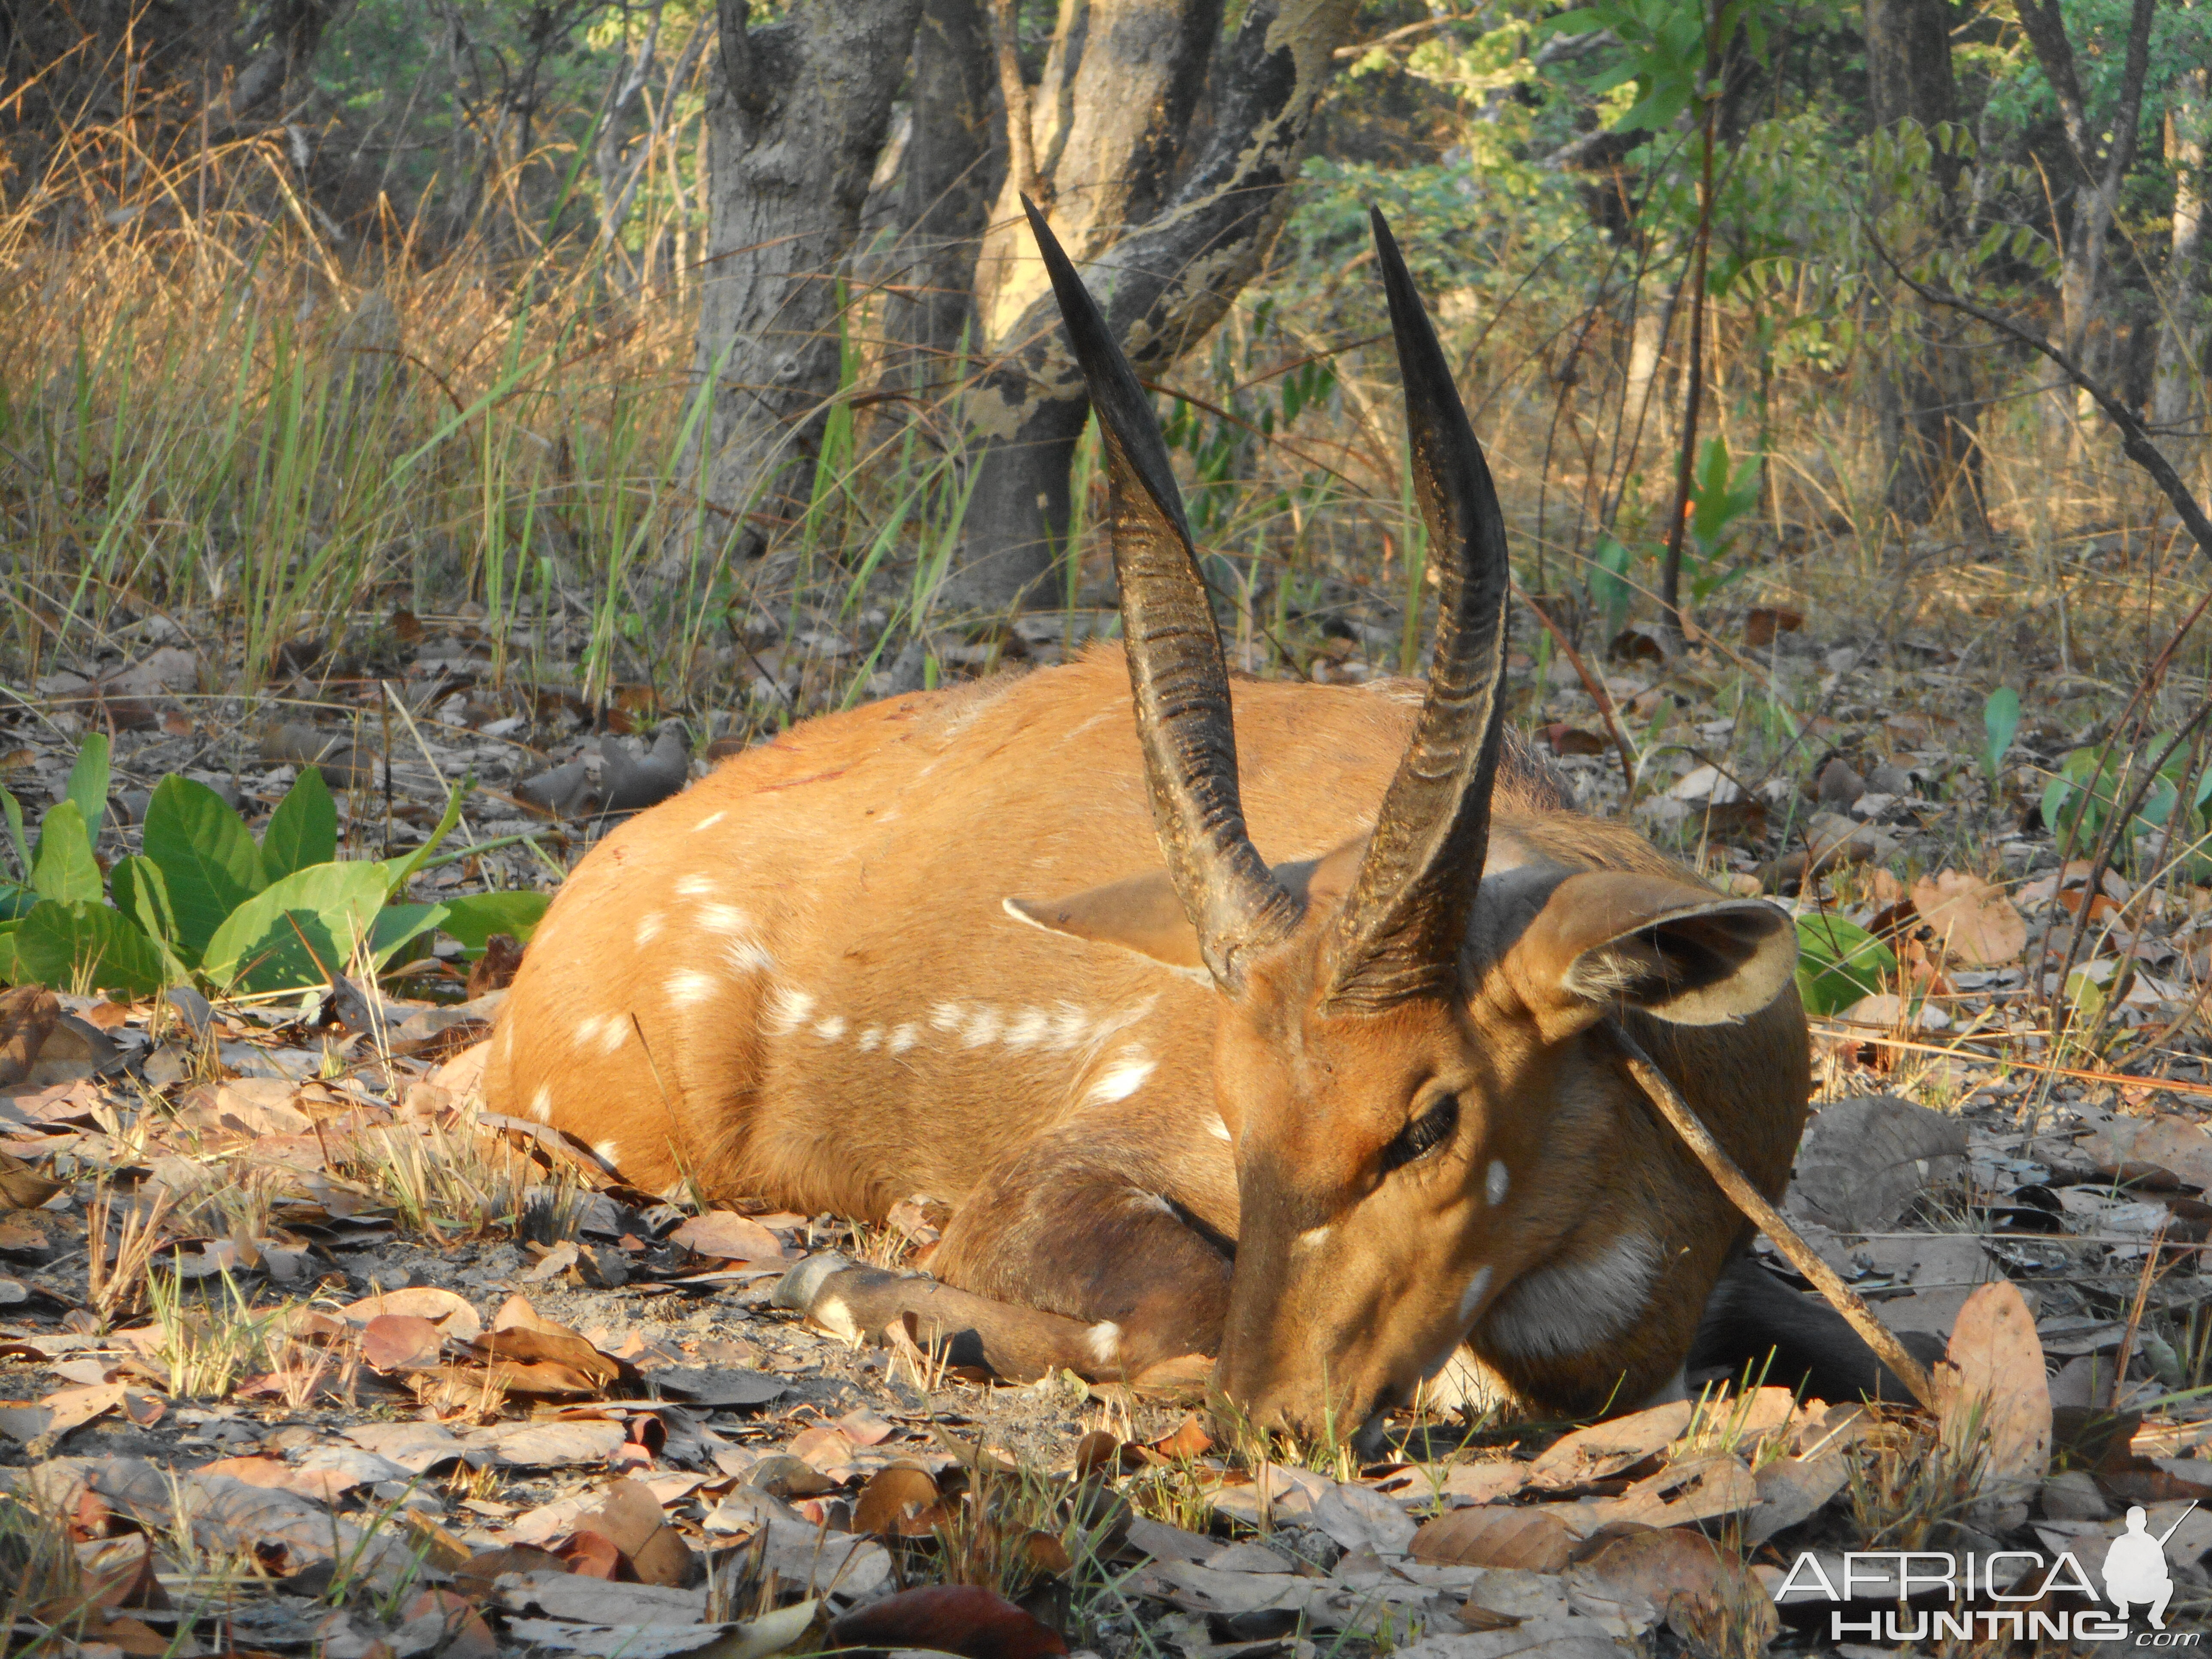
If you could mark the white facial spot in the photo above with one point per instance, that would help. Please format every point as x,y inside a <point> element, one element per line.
<point>902,1037</point>
<point>946,1016</point>
<point>688,985</point>
<point>1576,1306</point>
<point>1122,1078</point>
<point>1028,1029</point>
<point>695,886</point>
<point>710,820</point>
<point>870,1037</point>
<point>1471,1304</point>
<point>541,1103</point>
<point>1496,1181</point>
<point>831,1028</point>
<point>1218,1129</point>
<point>1104,1341</point>
<point>1312,1237</point>
<point>787,1009</point>
<point>981,1028</point>
<point>1069,1025</point>
<point>648,928</point>
<point>609,1152</point>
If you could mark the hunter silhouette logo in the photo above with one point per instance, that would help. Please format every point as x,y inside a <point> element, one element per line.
<point>2136,1572</point>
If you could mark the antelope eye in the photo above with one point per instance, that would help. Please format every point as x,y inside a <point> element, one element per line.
<point>1423,1136</point>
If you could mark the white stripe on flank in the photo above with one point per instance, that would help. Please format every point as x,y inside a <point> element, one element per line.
<point>903,1037</point>
<point>869,1037</point>
<point>1028,1029</point>
<point>981,1028</point>
<point>709,820</point>
<point>1069,1025</point>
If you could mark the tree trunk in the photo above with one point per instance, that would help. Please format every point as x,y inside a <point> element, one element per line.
<point>2102,160</point>
<point>1118,89</point>
<point>796,115</point>
<point>951,175</point>
<point>2187,122</point>
<point>1924,400</point>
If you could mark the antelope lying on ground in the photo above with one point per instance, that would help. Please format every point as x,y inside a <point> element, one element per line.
<point>1299,1047</point>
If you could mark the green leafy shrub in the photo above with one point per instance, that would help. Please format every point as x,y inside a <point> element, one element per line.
<point>204,901</point>
<point>1838,962</point>
<point>2091,785</point>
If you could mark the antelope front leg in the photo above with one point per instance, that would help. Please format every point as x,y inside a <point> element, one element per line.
<point>1055,1262</point>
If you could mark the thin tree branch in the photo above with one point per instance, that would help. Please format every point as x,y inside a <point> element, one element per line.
<point>2135,437</point>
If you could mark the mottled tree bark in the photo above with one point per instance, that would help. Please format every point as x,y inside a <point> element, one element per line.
<point>795,117</point>
<point>953,171</point>
<point>2181,340</point>
<point>1165,258</point>
<point>1925,401</point>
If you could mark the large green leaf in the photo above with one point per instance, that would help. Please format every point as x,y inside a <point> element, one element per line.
<point>399,926</point>
<point>15,816</point>
<point>475,917</point>
<point>88,783</point>
<point>402,869</point>
<point>301,930</point>
<point>142,894</point>
<point>62,868</point>
<point>304,829</point>
<point>206,855</point>
<point>10,972</point>
<point>66,945</point>
<point>1838,962</point>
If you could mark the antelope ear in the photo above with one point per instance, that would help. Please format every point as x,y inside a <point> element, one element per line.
<point>1143,913</point>
<point>1604,939</point>
<point>1140,913</point>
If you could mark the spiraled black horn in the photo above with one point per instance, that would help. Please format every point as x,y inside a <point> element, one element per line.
<point>1176,667</point>
<point>1400,934</point>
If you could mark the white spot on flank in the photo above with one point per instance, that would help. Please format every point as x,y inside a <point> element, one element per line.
<point>688,986</point>
<point>1104,1341</point>
<point>903,1037</point>
<point>981,1030</point>
<point>710,821</point>
<point>695,886</point>
<point>1494,1183</point>
<point>1312,1237</point>
<point>1120,1079</point>
<point>608,1150</point>
<point>724,919</point>
<point>648,928</point>
<point>587,1030</point>
<point>1217,1128</point>
<point>787,1009</point>
<point>1471,1304</point>
<point>870,1037</point>
<point>831,1028</point>
<point>748,956</point>
<point>1575,1306</point>
<point>945,1016</point>
<point>1028,1029</point>
<point>541,1103</point>
<point>1067,1026</point>
<point>615,1033</point>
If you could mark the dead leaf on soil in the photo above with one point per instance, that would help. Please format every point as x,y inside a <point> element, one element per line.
<point>1863,1160</point>
<point>27,1013</point>
<point>1606,1448</point>
<point>723,1235</point>
<point>1976,923</point>
<point>1535,1540</point>
<point>961,1619</point>
<point>400,1342</point>
<point>1702,1591</point>
<point>1991,1384</point>
<point>451,1313</point>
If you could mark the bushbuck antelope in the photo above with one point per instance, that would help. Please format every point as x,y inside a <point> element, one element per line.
<point>1298,1046</point>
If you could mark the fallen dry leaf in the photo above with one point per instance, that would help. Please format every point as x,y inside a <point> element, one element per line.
<point>962,1619</point>
<point>1604,1449</point>
<point>1992,1387</point>
<point>726,1236</point>
<point>1532,1540</point>
<point>1974,922</point>
<point>27,1013</point>
<point>1704,1592</point>
<point>451,1313</point>
<point>400,1342</point>
<point>1863,1160</point>
<point>629,1517</point>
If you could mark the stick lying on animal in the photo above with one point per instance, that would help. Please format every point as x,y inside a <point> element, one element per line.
<point>1265,1024</point>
